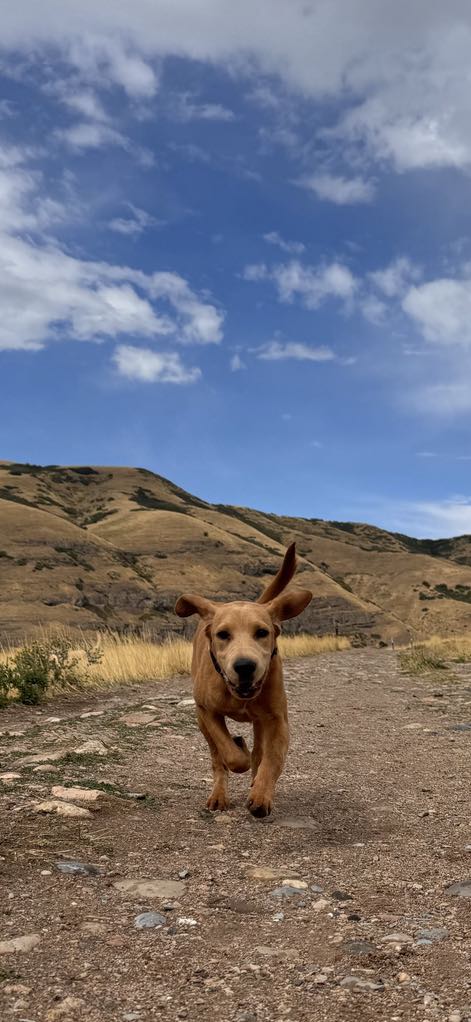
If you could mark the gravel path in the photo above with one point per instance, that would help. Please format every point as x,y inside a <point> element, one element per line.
<point>141,905</point>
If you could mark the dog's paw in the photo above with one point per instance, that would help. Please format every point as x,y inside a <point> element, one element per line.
<point>259,807</point>
<point>217,803</point>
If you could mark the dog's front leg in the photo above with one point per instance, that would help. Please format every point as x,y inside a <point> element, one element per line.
<point>227,753</point>
<point>273,737</point>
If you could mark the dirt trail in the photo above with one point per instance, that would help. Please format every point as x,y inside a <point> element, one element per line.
<point>371,825</point>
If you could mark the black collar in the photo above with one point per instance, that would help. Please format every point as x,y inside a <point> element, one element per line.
<point>218,668</point>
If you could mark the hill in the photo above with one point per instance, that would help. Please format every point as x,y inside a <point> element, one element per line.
<point>96,547</point>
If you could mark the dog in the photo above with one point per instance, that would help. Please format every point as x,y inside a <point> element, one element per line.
<point>237,673</point>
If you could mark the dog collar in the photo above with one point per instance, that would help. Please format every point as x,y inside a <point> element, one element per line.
<point>218,668</point>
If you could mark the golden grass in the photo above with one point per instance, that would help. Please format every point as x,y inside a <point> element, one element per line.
<point>435,654</point>
<point>127,659</point>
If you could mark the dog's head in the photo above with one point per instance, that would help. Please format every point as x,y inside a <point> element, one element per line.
<point>241,635</point>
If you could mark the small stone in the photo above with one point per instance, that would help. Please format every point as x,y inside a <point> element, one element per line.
<point>286,892</point>
<point>131,1016</point>
<point>46,768</point>
<point>115,940</point>
<point>61,809</point>
<point>91,713</point>
<point>26,943</point>
<point>278,917</point>
<point>403,977</point>
<point>186,921</point>
<point>341,896</point>
<point>222,818</point>
<point>262,873</point>
<point>320,904</point>
<point>72,867</point>
<point>462,889</point>
<point>76,794</point>
<point>16,988</point>
<point>149,921</point>
<point>297,885</point>
<point>42,757</point>
<point>185,703</point>
<point>46,873</point>
<point>184,873</point>
<point>9,777</point>
<point>397,938</point>
<point>151,888</point>
<point>53,720</point>
<point>137,719</point>
<point>359,947</point>
<point>316,888</point>
<point>320,978</point>
<point>352,982</point>
<point>455,1016</point>
<point>93,747</point>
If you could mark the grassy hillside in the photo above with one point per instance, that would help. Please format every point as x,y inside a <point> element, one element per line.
<point>112,547</point>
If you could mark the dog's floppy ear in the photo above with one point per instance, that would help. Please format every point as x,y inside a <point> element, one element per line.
<point>289,604</point>
<point>188,604</point>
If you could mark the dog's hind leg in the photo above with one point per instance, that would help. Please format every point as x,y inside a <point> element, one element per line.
<point>218,799</point>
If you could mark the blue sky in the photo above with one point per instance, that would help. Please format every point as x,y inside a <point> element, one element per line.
<point>236,249</point>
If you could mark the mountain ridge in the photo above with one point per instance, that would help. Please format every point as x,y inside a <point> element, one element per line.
<point>111,547</point>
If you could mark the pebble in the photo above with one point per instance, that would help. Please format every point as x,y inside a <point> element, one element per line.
<point>358,982</point>
<point>91,713</point>
<point>403,977</point>
<point>151,888</point>
<point>286,892</point>
<point>222,818</point>
<point>92,927</point>
<point>184,873</point>
<point>359,947</point>
<point>429,936</point>
<point>42,757</point>
<point>297,885</point>
<point>262,873</point>
<point>462,889</point>
<point>186,921</point>
<point>320,904</point>
<point>320,978</point>
<point>26,943</point>
<point>341,896</point>
<point>185,703</point>
<point>8,777</point>
<point>455,1016</point>
<point>397,938</point>
<point>316,888</point>
<point>93,747</point>
<point>46,873</point>
<point>136,719</point>
<point>61,809</point>
<point>149,920</point>
<point>72,867</point>
<point>278,917</point>
<point>76,794</point>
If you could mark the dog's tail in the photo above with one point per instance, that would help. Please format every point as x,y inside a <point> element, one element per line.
<point>282,578</point>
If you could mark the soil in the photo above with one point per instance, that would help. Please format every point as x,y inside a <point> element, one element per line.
<point>370,827</point>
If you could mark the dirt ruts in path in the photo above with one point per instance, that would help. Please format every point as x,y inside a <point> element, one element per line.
<point>137,904</point>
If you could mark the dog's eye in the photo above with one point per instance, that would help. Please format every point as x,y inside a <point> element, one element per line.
<point>223,634</point>
<point>261,633</point>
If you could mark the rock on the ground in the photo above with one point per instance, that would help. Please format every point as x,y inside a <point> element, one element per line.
<point>286,891</point>
<point>397,938</point>
<point>76,794</point>
<point>357,982</point>
<point>70,1007</point>
<point>149,920</point>
<point>73,867</point>
<point>462,889</point>
<point>92,747</point>
<point>61,809</point>
<point>137,719</point>
<point>151,888</point>
<point>26,943</point>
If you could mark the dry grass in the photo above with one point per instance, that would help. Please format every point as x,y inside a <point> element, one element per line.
<point>127,659</point>
<point>435,654</point>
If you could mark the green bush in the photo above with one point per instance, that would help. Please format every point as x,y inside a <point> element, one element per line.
<point>53,663</point>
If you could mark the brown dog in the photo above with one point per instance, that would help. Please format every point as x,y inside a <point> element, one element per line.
<point>237,673</point>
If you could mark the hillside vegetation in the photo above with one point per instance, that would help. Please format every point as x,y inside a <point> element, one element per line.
<point>111,548</point>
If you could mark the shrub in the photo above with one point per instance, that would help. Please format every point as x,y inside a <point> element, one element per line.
<point>53,663</point>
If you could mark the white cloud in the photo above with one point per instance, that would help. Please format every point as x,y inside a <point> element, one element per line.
<point>276,351</point>
<point>90,135</point>
<point>237,364</point>
<point>374,310</point>
<point>147,366</point>
<point>394,279</point>
<point>311,284</point>
<point>292,247</point>
<point>442,310</point>
<point>434,518</point>
<point>444,400</point>
<point>340,190</point>
<point>185,108</point>
<point>404,70</point>
<point>135,224</point>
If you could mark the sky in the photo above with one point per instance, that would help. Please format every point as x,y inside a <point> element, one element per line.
<point>235,249</point>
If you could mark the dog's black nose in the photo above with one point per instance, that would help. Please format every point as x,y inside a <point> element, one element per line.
<point>245,669</point>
